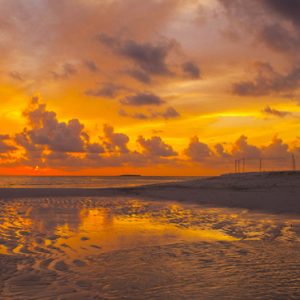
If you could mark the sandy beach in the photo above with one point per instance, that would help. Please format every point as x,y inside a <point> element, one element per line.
<point>236,236</point>
<point>276,192</point>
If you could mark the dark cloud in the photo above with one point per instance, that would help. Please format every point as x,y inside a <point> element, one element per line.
<point>91,66</point>
<point>108,90</point>
<point>244,12</point>
<point>137,115</point>
<point>191,70</point>
<point>268,81</point>
<point>272,22</point>
<point>289,9</point>
<point>280,39</point>
<point>66,71</point>
<point>156,147</point>
<point>149,58</point>
<point>142,99</point>
<point>169,113</point>
<point>274,112</point>
<point>139,75</point>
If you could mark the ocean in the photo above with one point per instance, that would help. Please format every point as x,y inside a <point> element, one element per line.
<point>85,181</point>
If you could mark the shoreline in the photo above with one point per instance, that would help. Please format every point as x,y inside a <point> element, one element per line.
<point>275,192</point>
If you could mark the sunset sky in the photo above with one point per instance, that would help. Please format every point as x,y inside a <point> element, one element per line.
<point>156,87</point>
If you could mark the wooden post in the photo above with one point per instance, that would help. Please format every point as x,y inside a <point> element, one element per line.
<point>293,162</point>
<point>260,165</point>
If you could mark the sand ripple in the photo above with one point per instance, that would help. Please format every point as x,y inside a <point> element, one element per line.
<point>105,248</point>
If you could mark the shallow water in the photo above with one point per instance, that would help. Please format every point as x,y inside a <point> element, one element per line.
<point>124,248</point>
<point>85,181</point>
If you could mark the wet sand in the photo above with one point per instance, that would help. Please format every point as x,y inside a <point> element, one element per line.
<point>150,246</point>
<point>124,248</point>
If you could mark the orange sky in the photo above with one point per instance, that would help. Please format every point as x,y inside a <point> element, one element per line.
<point>173,87</point>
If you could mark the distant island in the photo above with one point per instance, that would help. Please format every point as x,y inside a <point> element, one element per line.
<point>130,175</point>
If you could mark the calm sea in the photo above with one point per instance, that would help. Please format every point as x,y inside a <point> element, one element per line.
<point>84,181</point>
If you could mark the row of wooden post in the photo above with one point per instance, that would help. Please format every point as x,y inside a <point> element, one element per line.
<point>240,165</point>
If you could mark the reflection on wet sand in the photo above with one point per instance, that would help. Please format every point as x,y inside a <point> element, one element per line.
<point>106,228</point>
<point>112,248</point>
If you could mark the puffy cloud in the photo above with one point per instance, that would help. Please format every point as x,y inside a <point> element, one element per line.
<point>141,99</point>
<point>47,131</point>
<point>276,149</point>
<point>197,150</point>
<point>242,149</point>
<point>219,148</point>
<point>95,148</point>
<point>24,141</point>
<point>191,70</point>
<point>58,136</point>
<point>274,112</point>
<point>48,142</point>
<point>268,81</point>
<point>115,141</point>
<point>275,155</point>
<point>156,147</point>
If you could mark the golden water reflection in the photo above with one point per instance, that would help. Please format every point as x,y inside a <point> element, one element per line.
<point>92,225</point>
<point>31,227</point>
